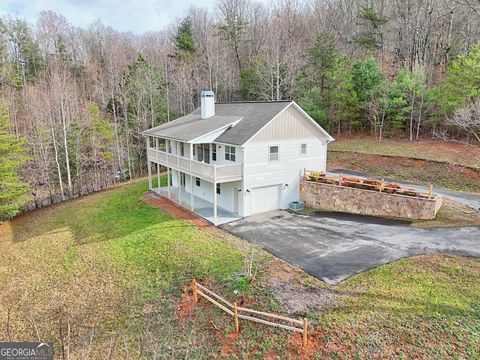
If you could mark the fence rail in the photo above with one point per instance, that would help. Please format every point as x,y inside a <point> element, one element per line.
<point>238,312</point>
<point>365,183</point>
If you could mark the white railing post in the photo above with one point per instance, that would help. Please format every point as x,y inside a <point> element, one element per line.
<point>168,181</point>
<point>179,188</point>
<point>192,207</point>
<point>214,195</point>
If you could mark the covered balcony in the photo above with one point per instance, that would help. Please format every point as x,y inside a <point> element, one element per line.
<point>210,172</point>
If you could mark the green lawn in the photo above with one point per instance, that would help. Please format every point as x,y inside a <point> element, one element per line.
<point>449,152</point>
<point>108,276</point>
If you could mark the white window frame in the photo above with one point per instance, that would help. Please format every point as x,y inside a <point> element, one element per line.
<point>270,153</point>
<point>229,154</point>
<point>214,152</point>
<point>303,149</point>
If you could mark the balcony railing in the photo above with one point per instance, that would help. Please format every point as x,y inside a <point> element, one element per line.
<point>209,172</point>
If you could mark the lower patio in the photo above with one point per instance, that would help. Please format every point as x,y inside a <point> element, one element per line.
<point>202,207</point>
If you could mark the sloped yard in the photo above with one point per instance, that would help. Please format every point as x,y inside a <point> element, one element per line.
<point>107,276</point>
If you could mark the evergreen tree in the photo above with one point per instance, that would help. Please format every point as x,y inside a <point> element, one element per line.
<point>368,83</point>
<point>399,106</point>
<point>12,157</point>
<point>343,109</point>
<point>321,59</point>
<point>184,41</point>
<point>462,82</point>
<point>312,103</point>
<point>371,36</point>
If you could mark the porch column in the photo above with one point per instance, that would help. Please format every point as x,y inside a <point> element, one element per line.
<point>158,176</point>
<point>179,188</point>
<point>214,203</point>
<point>168,182</point>
<point>192,207</point>
<point>214,195</point>
<point>149,166</point>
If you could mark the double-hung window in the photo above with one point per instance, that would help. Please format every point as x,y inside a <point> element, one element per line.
<point>218,189</point>
<point>303,149</point>
<point>230,153</point>
<point>273,153</point>
<point>197,181</point>
<point>182,149</point>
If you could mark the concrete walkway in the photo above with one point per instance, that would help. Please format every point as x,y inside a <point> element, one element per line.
<point>336,246</point>
<point>470,200</point>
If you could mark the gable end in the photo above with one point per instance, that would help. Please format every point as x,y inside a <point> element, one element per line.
<point>291,124</point>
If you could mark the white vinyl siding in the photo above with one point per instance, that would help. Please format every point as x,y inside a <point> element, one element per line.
<point>288,125</point>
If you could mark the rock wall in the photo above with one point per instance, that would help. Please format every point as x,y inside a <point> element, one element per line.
<point>367,202</point>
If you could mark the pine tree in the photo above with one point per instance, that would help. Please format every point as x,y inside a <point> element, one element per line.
<point>343,109</point>
<point>12,157</point>
<point>184,41</point>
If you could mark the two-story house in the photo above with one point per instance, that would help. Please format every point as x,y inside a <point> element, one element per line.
<point>225,161</point>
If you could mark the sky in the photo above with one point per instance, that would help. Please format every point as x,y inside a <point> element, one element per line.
<point>136,16</point>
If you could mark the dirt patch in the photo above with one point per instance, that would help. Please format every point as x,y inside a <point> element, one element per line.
<point>297,293</point>
<point>185,305</point>
<point>174,210</point>
<point>300,300</point>
<point>426,172</point>
<point>434,150</point>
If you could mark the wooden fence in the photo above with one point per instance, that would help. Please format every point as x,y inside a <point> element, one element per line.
<point>365,183</point>
<point>238,312</point>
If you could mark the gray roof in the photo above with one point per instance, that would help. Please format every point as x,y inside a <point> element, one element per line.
<point>254,115</point>
<point>191,126</point>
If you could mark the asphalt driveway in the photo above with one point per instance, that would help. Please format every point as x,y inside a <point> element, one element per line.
<point>334,246</point>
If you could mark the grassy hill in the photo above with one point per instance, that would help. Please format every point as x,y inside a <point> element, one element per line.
<point>107,276</point>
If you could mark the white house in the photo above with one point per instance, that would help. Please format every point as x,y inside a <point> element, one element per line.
<point>230,160</point>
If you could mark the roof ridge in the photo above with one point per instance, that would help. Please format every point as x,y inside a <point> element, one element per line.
<point>254,102</point>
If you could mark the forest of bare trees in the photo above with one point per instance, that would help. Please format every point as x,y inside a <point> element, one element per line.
<point>79,98</point>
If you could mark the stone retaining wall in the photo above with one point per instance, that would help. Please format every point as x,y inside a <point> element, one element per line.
<point>367,202</point>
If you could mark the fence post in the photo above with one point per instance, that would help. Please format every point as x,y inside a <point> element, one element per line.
<point>304,332</point>
<point>430,191</point>
<point>382,184</point>
<point>340,179</point>
<point>304,173</point>
<point>235,316</point>
<point>195,294</point>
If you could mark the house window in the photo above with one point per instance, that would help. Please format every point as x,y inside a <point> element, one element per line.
<point>230,153</point>
<point>303,149</point>
<point>218,189</point>
<point>200,152</point>
<point>169,146</point>
<point>197,181</point>
<point>162,145</point>
<point>273,153</point>
<point>182,149</point>
<point>194,148</point>
<point>214,152</point>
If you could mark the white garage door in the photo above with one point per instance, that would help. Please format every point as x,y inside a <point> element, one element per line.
<point>265,198</point>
